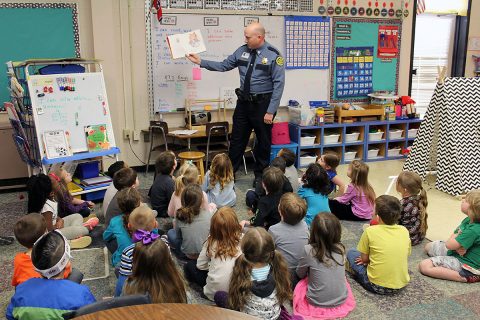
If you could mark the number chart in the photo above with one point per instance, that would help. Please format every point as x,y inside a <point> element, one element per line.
<point>354,71</point>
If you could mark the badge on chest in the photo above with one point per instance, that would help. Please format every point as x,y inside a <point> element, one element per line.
<point>246,55</point>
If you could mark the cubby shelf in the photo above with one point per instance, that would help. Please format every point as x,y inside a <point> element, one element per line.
<point>349,149</point>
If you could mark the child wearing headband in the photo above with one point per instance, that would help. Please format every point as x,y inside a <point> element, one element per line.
<point>42,298</point>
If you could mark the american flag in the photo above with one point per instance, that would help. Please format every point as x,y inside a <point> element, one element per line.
<point>420,6</point>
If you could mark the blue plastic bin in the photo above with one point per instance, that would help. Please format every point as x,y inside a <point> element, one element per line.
<point>92,196</point>
<point>87,170</point>
<point>277,147</point>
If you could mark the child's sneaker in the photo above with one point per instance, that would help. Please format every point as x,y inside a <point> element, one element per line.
<point>348,268</point>
<point>473,278</point>
<point>91,223</point>
<point>81,242</point>
<point>92,215</point>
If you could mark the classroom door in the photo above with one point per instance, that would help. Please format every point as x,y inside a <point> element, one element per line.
<point>432,50</point>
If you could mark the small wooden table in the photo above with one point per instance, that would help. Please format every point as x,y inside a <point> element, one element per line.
<point>167,311</point>
<point>201,133</point>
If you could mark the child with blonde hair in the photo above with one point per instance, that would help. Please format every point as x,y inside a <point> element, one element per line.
<point>142,218</point>
<point>414,205</point>
<point>458,259</point>
<point>330,161</point>
<point>214,266</point>
<point>219,182</point>
<point>154,271</point>
<point>67,204</point>
<point>324,292</point>
<point>357,202</point>
<point>260,282</point>
<point>187,174</point>
<point>192,224</point>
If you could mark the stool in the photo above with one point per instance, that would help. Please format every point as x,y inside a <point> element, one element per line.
<point>197,158</point>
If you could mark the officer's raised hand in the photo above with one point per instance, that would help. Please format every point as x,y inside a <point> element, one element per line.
<point>195,58</point>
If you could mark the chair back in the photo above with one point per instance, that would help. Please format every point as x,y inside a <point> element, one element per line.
<point>159,125</point>
<point>113,303</point>
<point>217,134</point>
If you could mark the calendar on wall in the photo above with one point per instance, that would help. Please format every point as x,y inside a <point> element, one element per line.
<point>354,66</point>
<point>307,41</point>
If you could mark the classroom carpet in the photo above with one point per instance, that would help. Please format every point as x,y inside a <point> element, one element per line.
<point>423,298</point>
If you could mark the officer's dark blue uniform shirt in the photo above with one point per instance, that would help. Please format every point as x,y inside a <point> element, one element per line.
<point>268,74</point>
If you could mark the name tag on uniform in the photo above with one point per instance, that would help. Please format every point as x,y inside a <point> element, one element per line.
<point>246,55</point>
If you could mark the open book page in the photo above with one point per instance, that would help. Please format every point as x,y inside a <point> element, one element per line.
<point>185,43</point>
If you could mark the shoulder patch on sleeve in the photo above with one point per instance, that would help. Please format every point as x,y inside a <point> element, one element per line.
<point>273,49</point>
<point>280,61</point>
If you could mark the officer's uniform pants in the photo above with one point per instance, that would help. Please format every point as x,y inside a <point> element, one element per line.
<point>249,115</point>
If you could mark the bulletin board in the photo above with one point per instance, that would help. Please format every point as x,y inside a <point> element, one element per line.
<point>363,59</point>
<point>70,110</point>
<point>36,30</point>
<point>173,80</point>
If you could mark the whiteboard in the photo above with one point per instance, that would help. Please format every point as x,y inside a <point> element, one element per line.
<point>70,111</point>
<point>173,79</point>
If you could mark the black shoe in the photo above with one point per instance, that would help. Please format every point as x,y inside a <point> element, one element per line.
<point>256,181</point>
<point>5,241</point>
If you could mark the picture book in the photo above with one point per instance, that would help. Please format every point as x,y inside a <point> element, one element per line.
<point>97,138</point>
<point>185,43</point>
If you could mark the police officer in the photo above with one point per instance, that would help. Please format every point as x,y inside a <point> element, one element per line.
<point>262,78</point>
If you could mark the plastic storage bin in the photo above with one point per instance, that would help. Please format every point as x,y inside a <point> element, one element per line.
<point>394,152</point>
<point>352,137</point>
<point>301,116</point>
<point>349,155</point>
<point>72,187</point>
<point>412,133</point>
<point>331,138</point>
<point>276,148</point>
<point>372,153</point>
<point>96,195</point>
<point>375,136</point>
<point>86,170</point>
<point>307,140</point>
<point>306,160</point>
<point>395,134</point>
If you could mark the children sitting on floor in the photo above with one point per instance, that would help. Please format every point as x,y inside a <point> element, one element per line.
<point>124,178</point>
<point>252,195</point>
<point>291,234</point>
<point>141,218</point>
<point>260,282</point>
<point>67,204</point>
<point>163,186</point>
<point>51,296</point>
<point>219,183</point>
<point>458,259</point>
<point>111,190</point>
<point>41,199</point>
<point>290,170</point>
<point>214,266</point>
<point>192,224</point>
<point>154,271</point>
<point>187,174</point>
<point>117,230</point>
<point>414,205</point>
<point>266,214</point>
<point>324,292</point>
<point>380,264</point>
<point>27,230</point>
<point>314,190</point>
<point>330,161</point>
<point>357,202</point>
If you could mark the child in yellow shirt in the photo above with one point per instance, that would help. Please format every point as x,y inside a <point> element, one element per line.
<point>380,264</point>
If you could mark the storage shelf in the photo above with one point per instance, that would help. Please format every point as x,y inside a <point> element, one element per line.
<point>82,156</point>
<point>361,146</point>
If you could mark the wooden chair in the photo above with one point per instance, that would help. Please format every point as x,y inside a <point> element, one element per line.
<point>217,139</point>
<point>197,159</point>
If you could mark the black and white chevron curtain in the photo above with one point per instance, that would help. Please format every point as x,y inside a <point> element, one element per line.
<point>448,140</point>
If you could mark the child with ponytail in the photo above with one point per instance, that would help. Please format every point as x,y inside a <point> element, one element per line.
<point>260,282</point>
<point>414,205</point>
<point>187,175</point>
<point>192,224</point>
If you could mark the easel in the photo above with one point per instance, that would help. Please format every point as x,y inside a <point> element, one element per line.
<point>189,103</point>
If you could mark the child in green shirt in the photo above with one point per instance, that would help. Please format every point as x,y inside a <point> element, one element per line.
<point>452,259</point>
